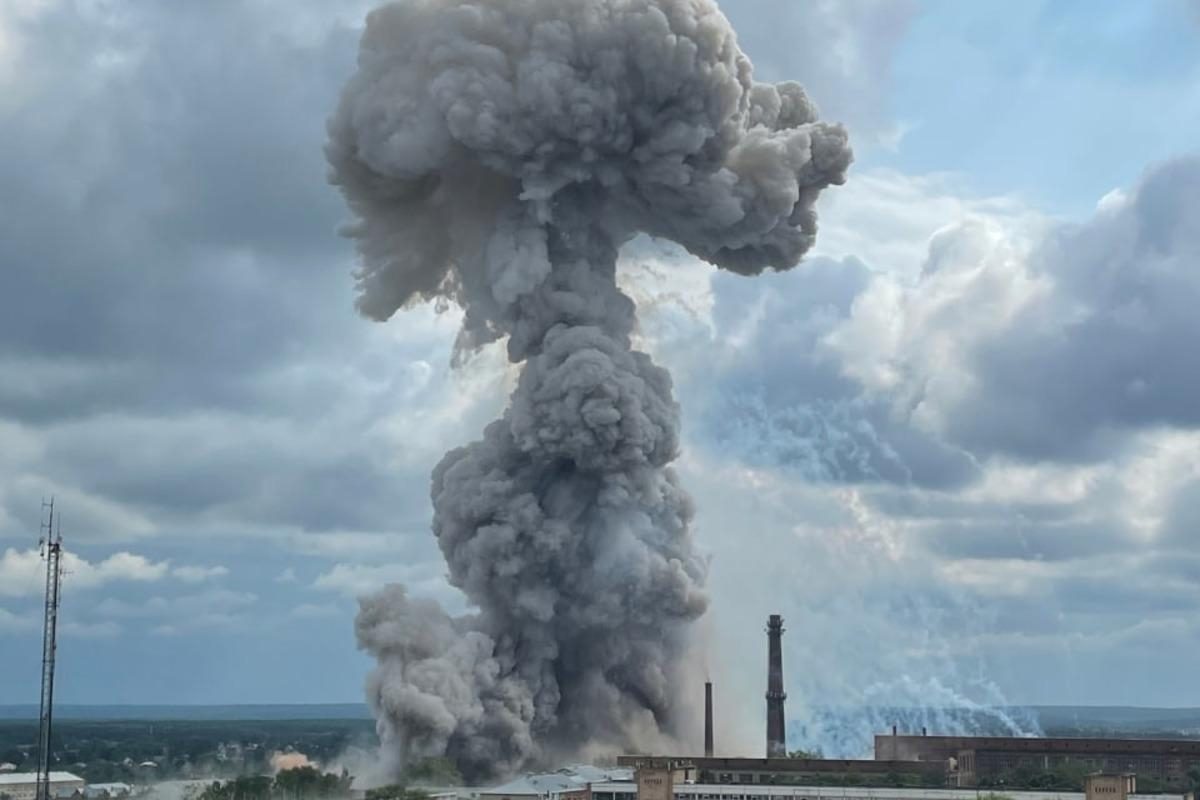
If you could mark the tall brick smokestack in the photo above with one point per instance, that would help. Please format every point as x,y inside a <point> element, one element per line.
<point>708,721</point>
<point>776,736</point>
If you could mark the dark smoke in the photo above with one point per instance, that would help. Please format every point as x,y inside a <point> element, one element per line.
<point>498,154</point>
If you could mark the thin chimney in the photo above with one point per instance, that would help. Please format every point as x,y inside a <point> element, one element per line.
<point>776,735</point>
<point>708,720</point>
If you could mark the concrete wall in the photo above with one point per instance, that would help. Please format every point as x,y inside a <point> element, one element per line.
<point>1109,787</point>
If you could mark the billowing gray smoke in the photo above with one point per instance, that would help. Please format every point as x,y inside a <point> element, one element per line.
<point>498,154</point>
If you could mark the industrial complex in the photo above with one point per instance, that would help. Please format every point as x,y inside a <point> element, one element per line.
<point>938,765</point>
<point>665,780</point>
<point>971,760</point>
<point>904,767</point>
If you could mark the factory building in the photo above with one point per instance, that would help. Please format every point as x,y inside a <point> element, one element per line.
<point>791,771</point>
<point>23,785</point>
<point>697,791</point>
<point>924,761</point>
<point>732,792</point>
<point>665,779</point>
<point>569,783</point>
<point>976,760</point>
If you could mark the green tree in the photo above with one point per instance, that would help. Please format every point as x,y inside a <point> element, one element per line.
<point>396,791</point>
<point>814,753</point>
<point>1193,778</point>
<point>1149,784</point>
<point>250,787</point>
<point>298,783</point>
<point>932,780</point>
<point>1070,774</point>
<point>213,791</point>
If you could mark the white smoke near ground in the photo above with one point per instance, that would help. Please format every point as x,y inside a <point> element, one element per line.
<point>497,155</point>
<point>936,700</point>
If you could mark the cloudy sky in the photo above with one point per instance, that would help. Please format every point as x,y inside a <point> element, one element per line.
<point>958,447</point>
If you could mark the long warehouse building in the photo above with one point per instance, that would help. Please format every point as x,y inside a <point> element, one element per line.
<point>23,785</point>
<point>981,759</point>
<point>794,770</point>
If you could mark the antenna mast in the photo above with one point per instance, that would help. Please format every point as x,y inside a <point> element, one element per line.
<point>51,546</point>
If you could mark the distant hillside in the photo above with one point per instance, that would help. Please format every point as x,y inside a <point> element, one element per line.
<point>166,712</point>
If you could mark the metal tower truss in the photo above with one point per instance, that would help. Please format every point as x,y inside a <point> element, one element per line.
<point>51,547</point>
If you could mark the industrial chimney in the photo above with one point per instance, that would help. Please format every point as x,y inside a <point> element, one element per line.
<point>776,737</point>
<point>708,721</point>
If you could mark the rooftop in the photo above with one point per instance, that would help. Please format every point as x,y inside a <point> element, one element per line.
<point>10,778</point>
<point>576,776</point>
<point>728,791</point>
<point>1047,743</point>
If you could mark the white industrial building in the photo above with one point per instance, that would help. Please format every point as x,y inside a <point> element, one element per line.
<point>23,785</point>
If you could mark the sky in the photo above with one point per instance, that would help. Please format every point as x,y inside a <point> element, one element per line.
<point>958,447</point>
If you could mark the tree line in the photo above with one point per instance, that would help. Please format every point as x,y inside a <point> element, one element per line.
<point>298,783</point>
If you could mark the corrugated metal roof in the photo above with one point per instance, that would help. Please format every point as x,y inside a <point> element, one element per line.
<point>575,776</point>
<point>593,774</point>
<point>9,778</point>
<point>551,783</point>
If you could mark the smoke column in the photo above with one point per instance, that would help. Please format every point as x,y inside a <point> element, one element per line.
<point>497,155</point>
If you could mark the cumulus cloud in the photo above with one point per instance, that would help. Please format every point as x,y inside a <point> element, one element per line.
<point>844,48</point>
<point>781,398</point>
<point>1057,349</point>
<point>355,580</point>
<point>858,376</point>
<point>199,338</point>
<point>198,574</point>
<point>23,572</point>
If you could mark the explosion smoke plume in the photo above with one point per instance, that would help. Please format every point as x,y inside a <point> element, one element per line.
<point>498,154</point>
